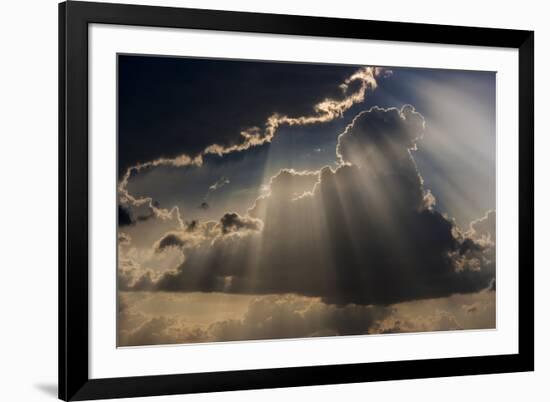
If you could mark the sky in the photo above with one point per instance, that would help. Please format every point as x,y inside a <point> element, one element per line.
<point>270,200</point>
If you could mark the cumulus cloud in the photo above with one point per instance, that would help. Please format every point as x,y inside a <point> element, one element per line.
<point>196,232</point>
<point>155,330</point>
<point>233,222</point>
<point>124,239</point>
<point>287,184</point>
<point>131,275</point>
<point>169,240</point>
<point>377,136</point>
<point>484,227</point>
<point>457,312</point>
<point>292,184</point>
<point>124,217</point>
<point>132,210</point>
<point>364,234</point>
<point>129,201</point>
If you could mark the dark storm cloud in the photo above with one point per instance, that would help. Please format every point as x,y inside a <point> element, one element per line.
<point>124,217</point>
<point>173,106</point>
<point>275,79</point>
<point>128,216</point>
<point>364,235</point>
<point>169,240</point>
<point>233,222</point>
<point>469,245</point>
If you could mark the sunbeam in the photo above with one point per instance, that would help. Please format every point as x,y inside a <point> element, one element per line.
<point>317,201</point>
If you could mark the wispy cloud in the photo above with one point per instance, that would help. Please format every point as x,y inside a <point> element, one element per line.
<point>219,184</point>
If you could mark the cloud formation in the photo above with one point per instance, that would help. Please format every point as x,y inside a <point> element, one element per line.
<point>169,240</point>
<point>124,217</point>
<point>137,330</point>
<point>484,227</point>
<point>278,317</point>
<point>366,233</point>
<point>268,317</point>
<point>233,222</point>
<point>167,104</point>
<point>457,312</point>
<point>377,136</point>
<point>290,316</point>
<point>124,239</point>
<point>351,91</point>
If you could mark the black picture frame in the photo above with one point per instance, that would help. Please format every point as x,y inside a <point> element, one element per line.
<point>74,381</point>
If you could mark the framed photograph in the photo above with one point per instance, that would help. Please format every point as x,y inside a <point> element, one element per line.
<point>257,201</point>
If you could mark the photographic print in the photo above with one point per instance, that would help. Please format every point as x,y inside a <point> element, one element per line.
<point>264,200</point>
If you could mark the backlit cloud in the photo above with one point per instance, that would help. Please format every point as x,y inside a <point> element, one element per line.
<point>353,91</point>
<point>363,234</point>
<point>265,200</point>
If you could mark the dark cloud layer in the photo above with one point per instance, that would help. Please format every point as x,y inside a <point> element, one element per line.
<point>170,106</point>
<point>366,234</point>
<point>276,317</point>
<point>128,216</point>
